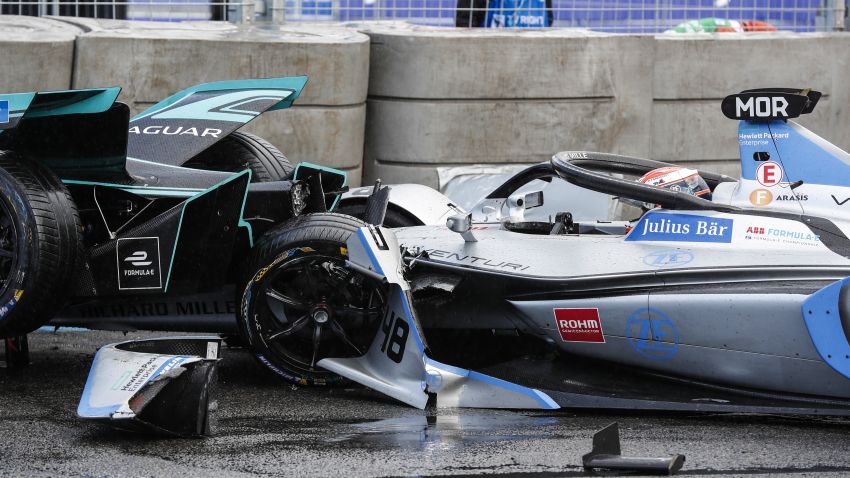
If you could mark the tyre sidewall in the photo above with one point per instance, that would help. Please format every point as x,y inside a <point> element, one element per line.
<point>22,271</point>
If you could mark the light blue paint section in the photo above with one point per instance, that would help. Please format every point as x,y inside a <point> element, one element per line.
<point>823,320</point>
<point>803,155</point>
<point>48,329</point>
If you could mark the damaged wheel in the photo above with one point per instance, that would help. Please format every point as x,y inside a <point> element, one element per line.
<point>300,303</point>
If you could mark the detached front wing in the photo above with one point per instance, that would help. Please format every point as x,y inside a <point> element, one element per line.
<point>162,385</point>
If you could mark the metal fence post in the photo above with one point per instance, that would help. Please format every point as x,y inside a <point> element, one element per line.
<point>247,12</point>
<point>278,11</point>
<point>840,12</point>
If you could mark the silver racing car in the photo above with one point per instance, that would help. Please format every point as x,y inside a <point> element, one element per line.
<point>734,303</point>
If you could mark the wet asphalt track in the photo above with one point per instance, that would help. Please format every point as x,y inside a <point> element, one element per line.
<point>268,428</point>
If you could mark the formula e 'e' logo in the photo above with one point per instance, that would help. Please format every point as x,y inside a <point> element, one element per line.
<point>652,334</point>
<point>138,263</point>
<point>138,259</point>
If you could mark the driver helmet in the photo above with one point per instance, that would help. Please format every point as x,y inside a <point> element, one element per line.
<point>677,178</point>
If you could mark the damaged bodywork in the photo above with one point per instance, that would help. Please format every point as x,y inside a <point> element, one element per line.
<point>672,302</point>
<point>164,385</point>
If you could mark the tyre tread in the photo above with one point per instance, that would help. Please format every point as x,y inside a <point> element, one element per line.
<point>57,250</point>
<point>240,151</point>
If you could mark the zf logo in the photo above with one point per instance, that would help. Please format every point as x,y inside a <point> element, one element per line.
<point>652,334</point>
<point>761,107</point>
<point>396,330</point>
<point>4,111</point>
<point>668,258</point>
<point>432,381</point>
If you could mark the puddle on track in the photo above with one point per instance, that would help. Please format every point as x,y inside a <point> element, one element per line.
<point>446,431</point>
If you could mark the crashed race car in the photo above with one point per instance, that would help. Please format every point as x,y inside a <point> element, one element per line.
<point>734,304</point>
<point>172,202</point>
<point>170,208</point>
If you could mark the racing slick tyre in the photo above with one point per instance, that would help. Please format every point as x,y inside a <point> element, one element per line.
<point>299,303</point>
<point>239,151</point>
<point>39,244</point>
<point>394,218</point>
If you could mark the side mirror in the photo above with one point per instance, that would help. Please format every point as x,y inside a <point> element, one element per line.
<point>462,224</point>
<point>533,199</point>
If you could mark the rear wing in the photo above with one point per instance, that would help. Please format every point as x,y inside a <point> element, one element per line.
<point>766,104</point>
<point>784,166</point>
<point>55,103</point>
<point>183,125</point>
<point>86,134</point>
<point>73,132</point>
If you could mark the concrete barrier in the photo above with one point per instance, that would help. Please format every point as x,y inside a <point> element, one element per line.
<point>411,61</point>
<point>152,60</point>
<point>37,54</point>
<point>444,96</point>
<point>441,96</point>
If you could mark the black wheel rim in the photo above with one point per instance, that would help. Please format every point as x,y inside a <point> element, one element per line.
<point>313,307</point>
<point>8,246</point>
